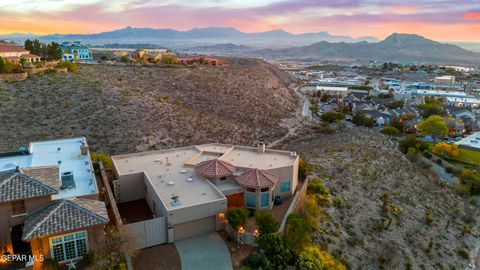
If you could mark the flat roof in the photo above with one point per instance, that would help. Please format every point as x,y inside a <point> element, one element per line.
<point>47,153</point>
<point>472,141</point>
<point>178,166</point>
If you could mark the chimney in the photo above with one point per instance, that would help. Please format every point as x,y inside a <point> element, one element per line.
<point>84,149</point>
<point>261,147</point>
<point>166,161</point>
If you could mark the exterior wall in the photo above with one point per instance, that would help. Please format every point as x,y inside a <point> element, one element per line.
<point>286,173</point>
<point>201,211</point>
<point>14,76</point>
<point>132,187</point>
<point>41,246</point>
<point>7,221</point>
<point>151,196</point>
<point>192,228</point>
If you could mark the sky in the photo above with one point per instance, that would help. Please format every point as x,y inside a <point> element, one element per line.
<point>446,20</point>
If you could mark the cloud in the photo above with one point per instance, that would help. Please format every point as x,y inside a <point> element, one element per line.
<point>437,18</point>
<point>472,16</point>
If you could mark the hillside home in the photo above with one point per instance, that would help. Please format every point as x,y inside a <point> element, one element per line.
<point>75,52</point>
<point>202,60</point>
<point>49,201</point>
<point>14,53</point>
<point>190,189</point>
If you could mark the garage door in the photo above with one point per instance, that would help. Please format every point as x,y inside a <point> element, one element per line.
<point>192,228</point>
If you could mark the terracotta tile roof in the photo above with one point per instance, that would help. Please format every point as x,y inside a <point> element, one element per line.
<point>64,215</point>
<point>29,56</point>
<point>11,58</point>
<point>15,186</point>
<point>255,178</point>
<point>48,175</point>
<point>214,168</point>
<point>11,48</point>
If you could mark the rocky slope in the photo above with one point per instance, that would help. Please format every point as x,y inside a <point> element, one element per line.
<point>135,108</point>
<point>426,224</point>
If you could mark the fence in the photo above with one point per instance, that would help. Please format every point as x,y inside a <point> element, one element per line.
<point>150,232</point>
<point>294,205</point>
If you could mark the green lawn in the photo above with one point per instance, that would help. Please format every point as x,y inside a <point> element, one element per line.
<point>469,156</point>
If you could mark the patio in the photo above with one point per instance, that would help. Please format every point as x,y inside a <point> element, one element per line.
<point>278,212</point>
<point>134,211</point>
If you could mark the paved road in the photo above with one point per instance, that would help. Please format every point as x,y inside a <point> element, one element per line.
<point>204,252</point>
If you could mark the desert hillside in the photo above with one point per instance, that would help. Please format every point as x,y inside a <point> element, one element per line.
<point>132,108</point>
<point>387,212</point>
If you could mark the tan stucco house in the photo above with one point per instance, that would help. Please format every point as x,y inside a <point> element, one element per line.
<point>190,189</point>
<point>49,202</point>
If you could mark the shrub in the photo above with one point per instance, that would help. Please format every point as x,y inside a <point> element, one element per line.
<point>90,257</point>
<point>167,59</point>
<point>428,219</point>
<point>50,264</point>
<point>449,150</point>
<point>390,131</point>
<point>297,232</point>
<point>71,67</point>
<point>470,181</point>
<point>412,142</point>
<point>324,129</point>
<point>332,116</point>
<point>266,222</point>
<point>104,158</point>
<point>313,258</point>
<point>258,261</point>
<point>276,250</point>
<point>304,169</point>
<point>315,186</point>
<point>427,154</point>
<point>360,119</point>
<point>463,253</point>
<point>237,217</point>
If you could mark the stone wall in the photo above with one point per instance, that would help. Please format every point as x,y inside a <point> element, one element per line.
<point>14,76</point>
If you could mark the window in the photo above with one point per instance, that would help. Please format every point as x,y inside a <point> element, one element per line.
<point>264,189</point>
<point>251,198</point>
<point>285,186</point>
<point>69,246</point>
<point>264,199</point>
<point>223,178</point>
<point>18,208</point>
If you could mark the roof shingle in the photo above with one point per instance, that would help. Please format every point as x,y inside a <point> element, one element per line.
<point>64,215</point>
<point>215,168</point>
<point>15,186</point>
<point>255,178</point>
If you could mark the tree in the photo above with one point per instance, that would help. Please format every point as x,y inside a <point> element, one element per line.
<point>449,150</point>
<point>276,250</point>
<point>360,119</point>
<point>412,142</point>
<point>54,52</point>
<point>119,242</point>
<point>390,131</point>
<point>266,222</point>
<point>237,217</point>
<point>435,126</point>
<point>332,116</point>
<point>314,108</point>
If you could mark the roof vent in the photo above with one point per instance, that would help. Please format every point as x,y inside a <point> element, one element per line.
<point>171,183</point>
<point>59,149</point>
<point>175,201</point>
<point>67,180</point>
<point>157,160</point>
<point>190,179</point>
<point>183,171</point>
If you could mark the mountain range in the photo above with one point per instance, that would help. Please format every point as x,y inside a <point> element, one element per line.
<point>402,48</point>
<point>196,37</point>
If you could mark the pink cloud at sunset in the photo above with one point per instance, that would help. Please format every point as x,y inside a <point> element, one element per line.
<point>441,20</point>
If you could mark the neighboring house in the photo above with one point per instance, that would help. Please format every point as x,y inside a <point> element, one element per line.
<point>14,53</point>
<point>191,188</point>
<point>75,52</point>
<point>49,201</point>
<point>380,118</point>
<point>471,142</point>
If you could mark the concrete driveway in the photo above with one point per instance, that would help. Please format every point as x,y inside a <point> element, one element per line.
<point>204,252</point>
